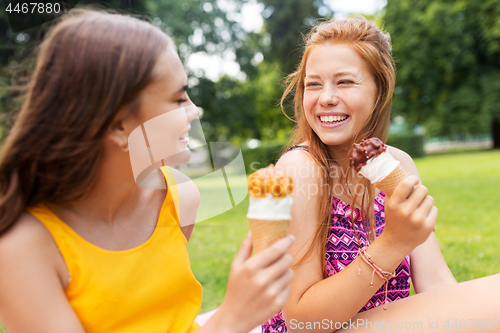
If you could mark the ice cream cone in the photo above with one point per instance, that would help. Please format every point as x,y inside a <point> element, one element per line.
<point>269,210</point>
<point>389,183</point>
<point>266,232</point>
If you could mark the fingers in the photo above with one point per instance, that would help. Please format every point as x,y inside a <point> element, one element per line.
<point>280,290</point>
<point>416,198</point>
<point>278,268</point>
<point>432,217</point>
<point>282,281</point>
<point>283,296</point>
<point>274,252</point>
<point>404,188</point>
<point>424,208</point>
<point>244,252</point>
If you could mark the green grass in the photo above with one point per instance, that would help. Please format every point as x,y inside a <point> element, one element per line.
<point>466,191</point>
<point>465,187</point>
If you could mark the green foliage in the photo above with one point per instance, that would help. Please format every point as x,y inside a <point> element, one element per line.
<point>409,142</point>
<point>288,20</point>
<point>227,103</point>
<point>448,59</point>
<point>18,53</point>
<point>262,156</point>
<point>242,109</point>
<point>215,32</point>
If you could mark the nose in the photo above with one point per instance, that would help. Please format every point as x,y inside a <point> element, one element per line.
<point>192,112</point>
<point>328,97</point>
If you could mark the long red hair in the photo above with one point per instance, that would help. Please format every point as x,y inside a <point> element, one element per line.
<point>91,66</point>
<point>374,47</point>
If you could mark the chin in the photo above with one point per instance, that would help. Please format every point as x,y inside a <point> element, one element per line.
<point>335,140</point>
<point>179,158</point>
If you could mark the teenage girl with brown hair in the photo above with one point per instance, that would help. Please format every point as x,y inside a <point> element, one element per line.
<point>82,247</point>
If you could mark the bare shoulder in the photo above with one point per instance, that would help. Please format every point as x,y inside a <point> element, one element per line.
<point>27,243</point>
<point>27,234</point>
<point>299,164</point>
<point>307,191</point>
<point>399,154</point>
<point>405,159</point>
<point>32,291</point>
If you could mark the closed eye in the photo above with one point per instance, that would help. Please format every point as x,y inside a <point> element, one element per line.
<point>345,82</point>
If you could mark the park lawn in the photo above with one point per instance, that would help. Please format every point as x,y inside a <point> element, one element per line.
<point>465,187</point>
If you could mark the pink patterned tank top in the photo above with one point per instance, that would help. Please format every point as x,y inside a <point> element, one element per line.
<point>342,248</point>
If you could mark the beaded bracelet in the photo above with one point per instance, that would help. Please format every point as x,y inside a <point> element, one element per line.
<point>386,276</point>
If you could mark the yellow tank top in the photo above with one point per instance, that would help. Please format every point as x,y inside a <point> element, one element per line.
<point>147,289</point>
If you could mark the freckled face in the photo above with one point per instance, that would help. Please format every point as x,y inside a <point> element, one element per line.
<point>339,93</point>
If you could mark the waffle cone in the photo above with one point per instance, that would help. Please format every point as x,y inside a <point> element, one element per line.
<point>266,232</point>
<point>389,183</point>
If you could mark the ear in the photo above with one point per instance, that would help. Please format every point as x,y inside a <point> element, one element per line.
<point>119,130</point>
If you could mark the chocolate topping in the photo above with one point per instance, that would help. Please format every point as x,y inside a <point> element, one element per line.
<point>365,151</point>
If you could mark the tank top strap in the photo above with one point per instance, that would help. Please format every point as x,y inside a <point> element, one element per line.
<point>59,232</point>
<point>294,147</point>
<point>172,195</point>
<point>303,147</point>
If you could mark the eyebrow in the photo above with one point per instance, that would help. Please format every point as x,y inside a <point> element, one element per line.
<point>337,74</point>
<point>183,89</point>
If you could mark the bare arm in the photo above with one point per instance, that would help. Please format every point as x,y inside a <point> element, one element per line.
<point>428,267</point>
<point>341,296</point>
<point>32,296</point>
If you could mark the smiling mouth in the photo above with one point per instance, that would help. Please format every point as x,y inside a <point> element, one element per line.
<point>332,119</point>
<point>184,137</point>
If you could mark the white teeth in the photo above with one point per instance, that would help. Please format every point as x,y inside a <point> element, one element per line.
<point>332,119</point>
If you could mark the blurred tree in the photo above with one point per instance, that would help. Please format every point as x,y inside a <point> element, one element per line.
<point>196,25</point>
<point>281,42</point>
<point>285,22</point>
<point>17,56</point>
<point>234,108</point>
<point>206,27</point>
<point>448,59</point>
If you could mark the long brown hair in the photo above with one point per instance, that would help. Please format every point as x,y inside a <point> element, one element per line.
<point>374,47</point>
<point>90,66</point>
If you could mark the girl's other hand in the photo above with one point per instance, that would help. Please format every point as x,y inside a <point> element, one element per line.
<point>258,286</point>
<point>410,215</point>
